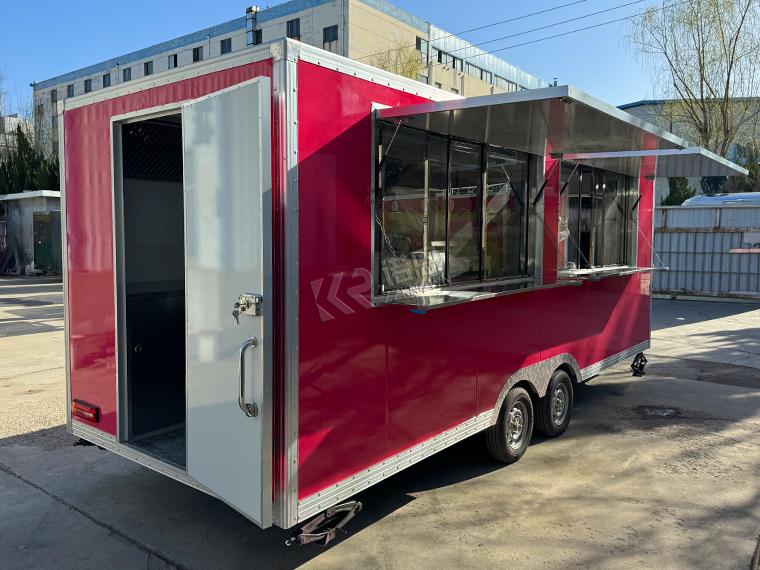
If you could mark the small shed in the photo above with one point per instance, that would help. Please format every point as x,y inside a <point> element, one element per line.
<point>20,231</point>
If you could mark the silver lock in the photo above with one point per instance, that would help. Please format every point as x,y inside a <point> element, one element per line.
<point>248,304</point>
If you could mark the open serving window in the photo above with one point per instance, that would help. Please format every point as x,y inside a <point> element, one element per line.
<point>459,192</point>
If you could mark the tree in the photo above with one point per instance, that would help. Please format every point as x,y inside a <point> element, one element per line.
<point>703,56</point>
<point>26,167</point>
<point>747,158</point>
<point>679,192</point>
<point>399,58</point>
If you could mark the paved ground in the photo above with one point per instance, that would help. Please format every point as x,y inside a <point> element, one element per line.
<point>658,472</point>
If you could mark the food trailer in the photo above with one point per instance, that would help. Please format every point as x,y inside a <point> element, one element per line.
<point>290,275</point>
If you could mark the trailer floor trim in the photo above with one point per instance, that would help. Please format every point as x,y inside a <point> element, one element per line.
<point>316,503</point>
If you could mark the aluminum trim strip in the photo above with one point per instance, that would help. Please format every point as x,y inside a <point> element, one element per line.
<point>596,369</point>
<point>285,96</point>
<point>328,60</point>
<point>65,268</point>
<point>236,59</point>
<point>318,502</point>
<point>566,275</point>
<point>688,152</point>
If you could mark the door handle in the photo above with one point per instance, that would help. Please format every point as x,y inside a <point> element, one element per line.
<point>251,410</point>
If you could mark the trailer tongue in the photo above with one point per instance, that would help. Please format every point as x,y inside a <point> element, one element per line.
<point>244,240</point>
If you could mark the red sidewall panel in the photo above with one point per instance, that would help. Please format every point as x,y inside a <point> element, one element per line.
<point>89,229</point>
<point>376,381</point>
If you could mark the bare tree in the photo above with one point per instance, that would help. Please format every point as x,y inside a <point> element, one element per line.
<point>704,57</point>
<point>399,58</point>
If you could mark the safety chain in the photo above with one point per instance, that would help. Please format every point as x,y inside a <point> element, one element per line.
<point>393,252</point>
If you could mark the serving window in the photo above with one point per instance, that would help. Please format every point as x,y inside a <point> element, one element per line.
<point>449,211</point>
<point>596,228</point>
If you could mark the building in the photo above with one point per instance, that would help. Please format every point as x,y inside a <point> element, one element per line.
<point>8,126</point>
<point>20,210</point>
<point>363,30</point>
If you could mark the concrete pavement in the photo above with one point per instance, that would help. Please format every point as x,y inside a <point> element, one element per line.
<point>660,471</point>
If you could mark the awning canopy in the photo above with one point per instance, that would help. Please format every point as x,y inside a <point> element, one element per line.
<point>563,120</point>
<point>687,162</point>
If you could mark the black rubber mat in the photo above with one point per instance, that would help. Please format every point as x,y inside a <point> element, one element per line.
<point>168,445</point>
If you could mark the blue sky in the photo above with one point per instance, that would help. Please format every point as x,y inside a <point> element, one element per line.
<point>43,39</point>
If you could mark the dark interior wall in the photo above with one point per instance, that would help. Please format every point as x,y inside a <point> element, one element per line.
<point>154,235</point>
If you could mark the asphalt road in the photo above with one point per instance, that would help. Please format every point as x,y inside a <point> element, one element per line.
<point>659,472</point>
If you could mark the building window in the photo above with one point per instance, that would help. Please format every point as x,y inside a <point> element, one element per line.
<point>422,45</point>
<point>198,54</point>
<point>330,39</point>
<point>40,111</point>
<point>485,76</point>
<point>225,46</point>
<point>255,37</point>
<point>69,90</point>
<point>438,85</point>
<point>54,105</point>
<point>127,74</point>
<point>293,29</point>
<point>173,61</point>
<point>595,228</point>
<point>474,70</point>
<point>148,68</point>
<point>107,80</point>
<point>87,85</point>
<point>455,91</point>
<point>449,60</point>
<point>505,84</point>
<point>423,79</point>
<point>452,211</point>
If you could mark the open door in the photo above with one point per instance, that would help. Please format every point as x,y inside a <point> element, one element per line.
<point>226,142</point>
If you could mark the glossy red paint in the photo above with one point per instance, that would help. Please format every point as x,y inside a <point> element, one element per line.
<point>374,382</point>
<point>89,229</point>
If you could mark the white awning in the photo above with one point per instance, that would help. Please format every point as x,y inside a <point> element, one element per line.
<point>564,120</point>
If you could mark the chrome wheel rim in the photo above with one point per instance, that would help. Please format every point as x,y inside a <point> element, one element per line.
<point>517,416</point>
<point>559,404</point>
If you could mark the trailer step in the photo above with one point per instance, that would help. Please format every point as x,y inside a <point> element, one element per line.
<point>167,445</point>
<point>319,530</point>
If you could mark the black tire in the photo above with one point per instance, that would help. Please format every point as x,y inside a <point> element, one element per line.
<point>555,409</point>
<point>517,409</point>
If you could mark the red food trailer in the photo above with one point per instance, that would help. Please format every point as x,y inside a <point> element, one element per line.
<point>289,275</point>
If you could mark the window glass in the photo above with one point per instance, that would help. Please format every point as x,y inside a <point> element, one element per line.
<point>198,54</point>
<point>293,29</point>
<point>107,80</point>
<point>506,214</point>
<point>148,68</point>
<point>87,85</point>
<point>466,182</point>
<point>568,215</point>
<point>69,91</point>
<point>127,74</point>
<point>413,208</point>
<point>423,79</point>
<point>225,46</point>
<point>594,228</point>
<point>330,39</point>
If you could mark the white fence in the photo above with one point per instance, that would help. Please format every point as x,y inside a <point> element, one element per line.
<point>711,251</point>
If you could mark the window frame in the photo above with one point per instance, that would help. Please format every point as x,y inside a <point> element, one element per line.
<point>126,74</point>
<point>70,90</point>
<point>148,68</point>
<point>526,262</point>
<point>294,23</point>
<point>330,38</point>
<point>225,46</point>
<point>626,233</point>
<point>197,54</point>
<point>172,61</point>
<point>88,85</point>
<point>106,80</point>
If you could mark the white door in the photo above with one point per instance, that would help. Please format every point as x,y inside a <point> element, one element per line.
<point>226,139</point>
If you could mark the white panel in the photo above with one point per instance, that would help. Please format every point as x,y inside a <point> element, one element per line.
<point>228,195</point>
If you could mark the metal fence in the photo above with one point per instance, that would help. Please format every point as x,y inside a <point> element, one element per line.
<point>710,251</point>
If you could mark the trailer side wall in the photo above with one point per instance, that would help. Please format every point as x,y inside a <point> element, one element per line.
<point>376,381</point>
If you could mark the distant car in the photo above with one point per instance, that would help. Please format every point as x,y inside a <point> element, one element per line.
<point>739,199</point>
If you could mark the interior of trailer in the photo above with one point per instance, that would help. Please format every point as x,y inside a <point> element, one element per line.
<point>151,245</point>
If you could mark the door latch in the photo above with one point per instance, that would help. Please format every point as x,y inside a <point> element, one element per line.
<point>248,304</point>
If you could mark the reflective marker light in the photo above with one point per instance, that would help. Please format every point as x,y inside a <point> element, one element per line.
<point>85,411</point>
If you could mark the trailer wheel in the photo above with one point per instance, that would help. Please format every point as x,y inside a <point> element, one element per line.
<point>555,408</point>
<point>509,438</point>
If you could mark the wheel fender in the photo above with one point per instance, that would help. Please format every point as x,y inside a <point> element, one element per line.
<point>538,376</point>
